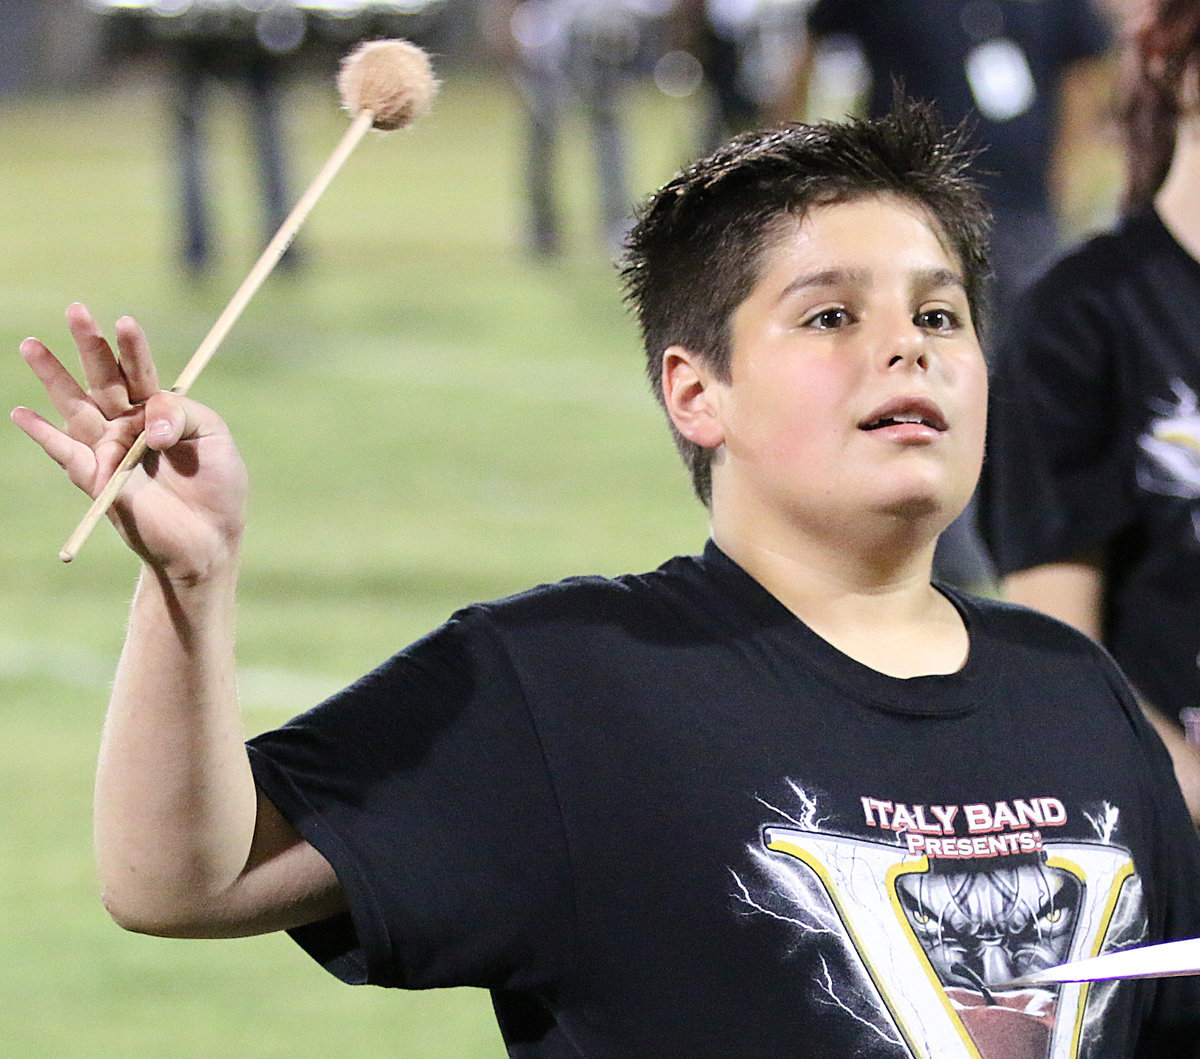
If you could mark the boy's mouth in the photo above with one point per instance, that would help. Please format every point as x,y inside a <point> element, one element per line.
<point>905,410</point>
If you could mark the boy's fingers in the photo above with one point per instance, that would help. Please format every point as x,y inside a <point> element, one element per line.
<point>34,425</point>
<point>164,428</point>
<point>137,365</point>
<point>77,410</point>
<point>72,456</point>
<point>49,370</point>
<point>106,383</point>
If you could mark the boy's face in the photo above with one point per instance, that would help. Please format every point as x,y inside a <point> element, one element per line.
<point>856,384</point>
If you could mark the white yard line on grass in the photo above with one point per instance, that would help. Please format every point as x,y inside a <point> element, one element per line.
<point>260,688</point>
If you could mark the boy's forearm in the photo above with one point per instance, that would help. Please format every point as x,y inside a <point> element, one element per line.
<point>175,799</point>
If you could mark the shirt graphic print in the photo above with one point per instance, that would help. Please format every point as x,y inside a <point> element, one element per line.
<point>1170,446</point>
<point>922,915</point>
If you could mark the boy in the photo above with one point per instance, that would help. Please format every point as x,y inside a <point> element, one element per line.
<point>783,798</point>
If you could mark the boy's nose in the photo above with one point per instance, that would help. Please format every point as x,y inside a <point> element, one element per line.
<point>906,347</point>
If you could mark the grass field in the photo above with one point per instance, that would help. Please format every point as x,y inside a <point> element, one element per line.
<point>428,418</point>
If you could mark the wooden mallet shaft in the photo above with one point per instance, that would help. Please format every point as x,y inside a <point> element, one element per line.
<point>385,84</point>
<point>267,261</point>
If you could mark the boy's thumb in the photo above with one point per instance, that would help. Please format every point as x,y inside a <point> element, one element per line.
<point>165,420</point>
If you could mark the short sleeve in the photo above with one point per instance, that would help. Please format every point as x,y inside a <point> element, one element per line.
<point>1171,1027</point>
<point>1058,473</point>
<point>425,787</point>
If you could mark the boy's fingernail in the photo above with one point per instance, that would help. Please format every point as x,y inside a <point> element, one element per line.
<point>159,429</point>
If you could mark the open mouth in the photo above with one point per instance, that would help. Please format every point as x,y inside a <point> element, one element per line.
<point>906,411</point>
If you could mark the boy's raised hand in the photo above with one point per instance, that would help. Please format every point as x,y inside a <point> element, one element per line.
<point>182,511</point>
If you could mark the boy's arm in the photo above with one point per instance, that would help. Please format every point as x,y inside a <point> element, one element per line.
<point>1073,592</point>
<point>184,843</point>
<point>1084,142</point>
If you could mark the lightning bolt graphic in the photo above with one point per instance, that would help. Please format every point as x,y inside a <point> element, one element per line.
<point>810,926</point>
<point>1104,823</point>
<point>833,1000</point>
<point>808,820</point>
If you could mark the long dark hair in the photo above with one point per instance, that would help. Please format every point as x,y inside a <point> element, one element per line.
<point>1162,71</point>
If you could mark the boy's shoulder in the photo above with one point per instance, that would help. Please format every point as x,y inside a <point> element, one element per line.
<point>1038,659</point>
<point>1017,630</point>
<point>688,595</point>
<point>596,596</point>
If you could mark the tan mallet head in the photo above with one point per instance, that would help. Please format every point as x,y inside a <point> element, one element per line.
<point>390,78</point>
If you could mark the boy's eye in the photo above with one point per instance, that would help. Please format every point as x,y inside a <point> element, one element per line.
<point>828,319</point>
<point>937,320</point>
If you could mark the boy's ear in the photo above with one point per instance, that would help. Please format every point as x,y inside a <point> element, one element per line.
<point>691,394</point>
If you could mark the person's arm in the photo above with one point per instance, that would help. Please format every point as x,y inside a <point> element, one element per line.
<point>495,24</point>
<point>1073,592</point>
<point>1086,162</point>
<point>791,103</point>
<point>1070,591</point>
<point>185,846</point>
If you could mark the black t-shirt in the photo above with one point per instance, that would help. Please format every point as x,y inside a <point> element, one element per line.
<point>998,62</point>
<point>1094,443</point>
<point>658,816</point>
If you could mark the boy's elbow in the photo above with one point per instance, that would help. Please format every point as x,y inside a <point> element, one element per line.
<point>138,915</point>
<point>132,915</point>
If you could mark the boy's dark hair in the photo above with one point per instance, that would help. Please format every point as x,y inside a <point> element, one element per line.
<point>698,245</point>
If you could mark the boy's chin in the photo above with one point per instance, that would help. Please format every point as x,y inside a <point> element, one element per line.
<point>926,493</point>
<point>926,511</point>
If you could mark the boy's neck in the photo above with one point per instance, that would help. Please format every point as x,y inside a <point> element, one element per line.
<point>885,615</point>
<point>1178,200</point>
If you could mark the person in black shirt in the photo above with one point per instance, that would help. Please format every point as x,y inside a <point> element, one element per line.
<point>1090,500</point>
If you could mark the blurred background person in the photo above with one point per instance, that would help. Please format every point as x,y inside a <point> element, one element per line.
<point>202,57</point>
<point>745,49</point>
<point>1032,76</point>
<point>20,20</point>
<point>1090,500</point>
<point>573,53</point>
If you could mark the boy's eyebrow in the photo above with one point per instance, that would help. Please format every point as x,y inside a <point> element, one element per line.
<point>939,277</point>
<point>923,279</point>
<point>826,277</point>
